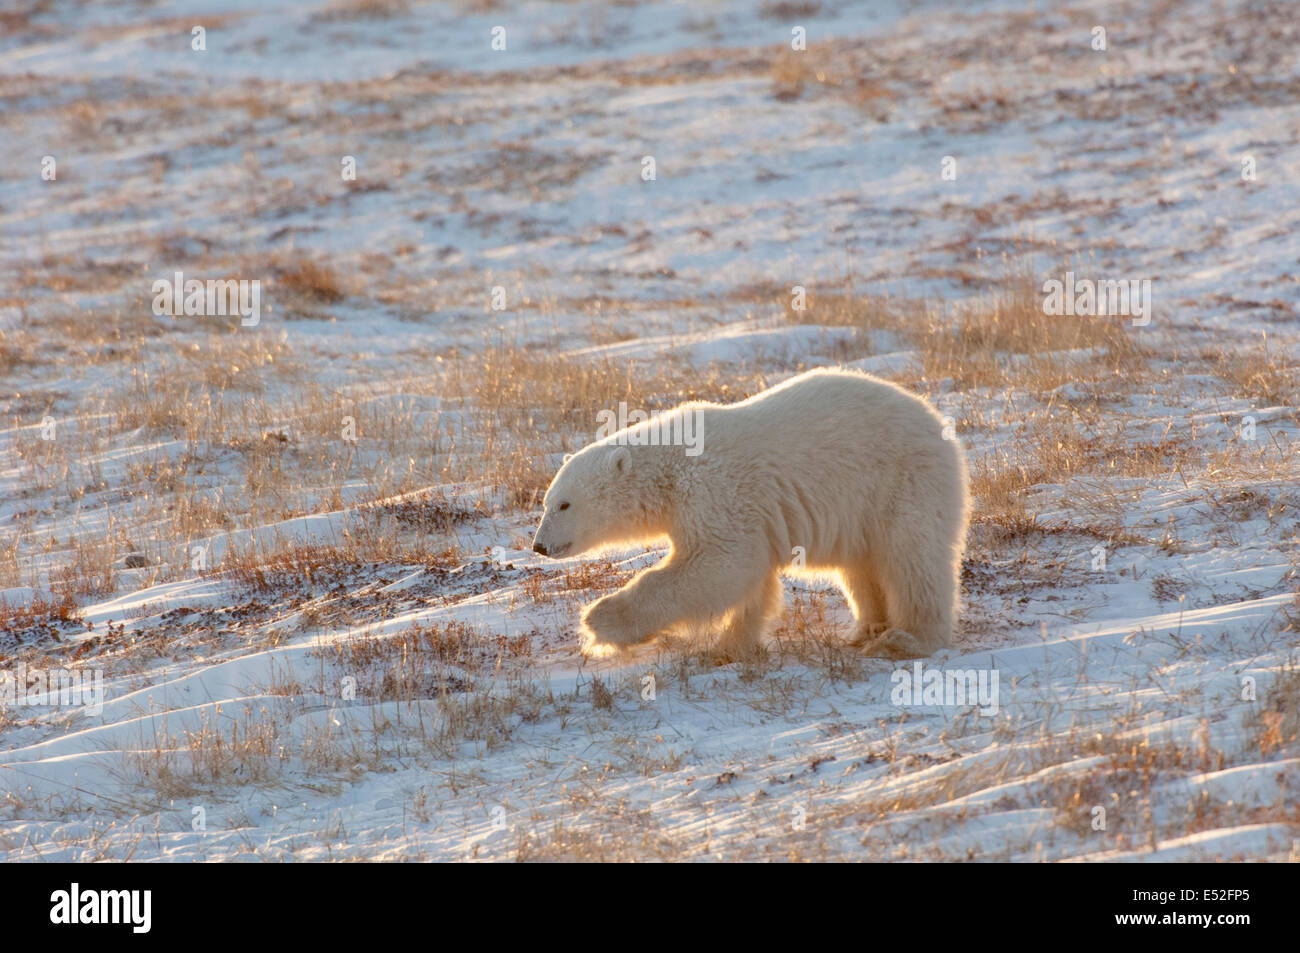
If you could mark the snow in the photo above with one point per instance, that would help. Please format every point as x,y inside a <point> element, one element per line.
<point>1161,688</point>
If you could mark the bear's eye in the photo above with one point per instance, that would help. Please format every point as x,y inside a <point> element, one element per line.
<point>564,506</point>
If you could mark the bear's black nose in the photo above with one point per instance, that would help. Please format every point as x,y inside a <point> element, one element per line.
<point>539,548</point>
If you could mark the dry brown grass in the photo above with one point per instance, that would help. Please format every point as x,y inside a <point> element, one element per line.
<point>296,564</point>
<point>789,9</point>
<point>343,10</point>
<point>1243,462</point>
<point>1007,340</point>
<point>618,839</point>
<point>185,392</point>
<point>423,661</point>
<point>311,281</point>
<point>1050,448</point>
<point>40,611</point>
<point>91,569</point>
<point>1263,375</point>
<point>248,750</point>
<point>1277,724</point>
<point>18,350</point>
<point>1123,785</point>
<point>841,305</point>
<point>517,407</point>
<point>577,582</point>
<point>527,405</point>
<point>809,634</point>
<point>827,70</point>
<point>435,670</point>
<point>1000,340</point>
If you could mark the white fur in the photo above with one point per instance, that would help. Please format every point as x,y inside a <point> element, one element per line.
<point>850,467</point>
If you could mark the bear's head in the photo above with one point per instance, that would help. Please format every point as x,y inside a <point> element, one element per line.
<point>593,501</point>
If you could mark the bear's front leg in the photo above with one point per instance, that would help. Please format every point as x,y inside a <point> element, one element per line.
<point>613,621</point>
<point>698,589</point>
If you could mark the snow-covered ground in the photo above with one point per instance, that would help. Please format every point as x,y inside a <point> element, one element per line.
<point>297,552</point>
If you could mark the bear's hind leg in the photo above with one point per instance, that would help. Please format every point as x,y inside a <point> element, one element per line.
<point>920,596</point>
<point>744,629</point>
<point>867,599</point>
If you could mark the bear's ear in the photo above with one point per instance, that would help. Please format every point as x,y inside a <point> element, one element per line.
<point>620,461</point>
<point>568,457</point>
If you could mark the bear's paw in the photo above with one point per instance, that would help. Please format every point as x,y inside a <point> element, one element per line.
<point>609,622</point>
<point>894,644</point>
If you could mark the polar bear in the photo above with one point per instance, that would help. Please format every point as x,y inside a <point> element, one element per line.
<point>837,469</point>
